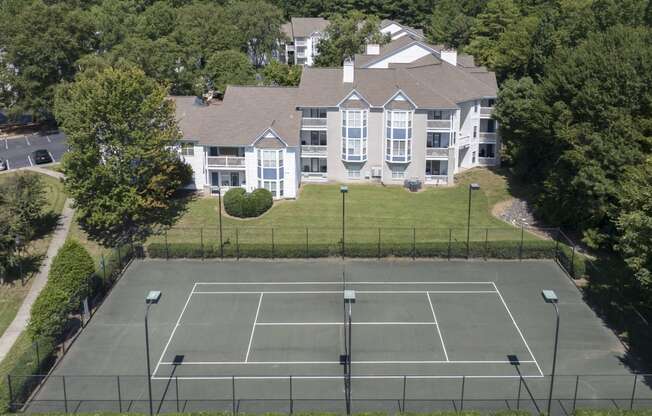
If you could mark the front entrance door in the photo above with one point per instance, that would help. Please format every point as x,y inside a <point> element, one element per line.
<point>215,179</point>
<point>235,179</point>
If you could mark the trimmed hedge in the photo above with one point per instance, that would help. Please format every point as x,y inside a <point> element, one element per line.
<point>239,203</point>
<point>68,284</point>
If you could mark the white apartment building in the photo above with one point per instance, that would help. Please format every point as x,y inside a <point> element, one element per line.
<point>406,110</point>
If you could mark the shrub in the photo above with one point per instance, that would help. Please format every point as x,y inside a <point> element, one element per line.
<point>238,203</point>
<point>71,271</point>
<point>49,313</point>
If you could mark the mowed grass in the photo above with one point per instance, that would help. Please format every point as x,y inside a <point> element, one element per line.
<point>395,210</point>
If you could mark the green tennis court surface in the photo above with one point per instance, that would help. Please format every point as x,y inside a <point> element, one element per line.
<point>267,336</point>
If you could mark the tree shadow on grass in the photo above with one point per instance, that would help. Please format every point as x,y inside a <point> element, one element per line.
<point>47,224</point>
<point>178,207</point>
<point>28,265</point>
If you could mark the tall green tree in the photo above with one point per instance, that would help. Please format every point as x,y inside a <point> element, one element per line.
<point>121,169</point>
<point>488,27</point>
<point>23,195</point>
<point>347,35</point>
<point>449,25</point>
<point>276,73</point>
<point>228,67</point>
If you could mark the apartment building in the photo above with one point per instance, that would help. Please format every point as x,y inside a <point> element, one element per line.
<point>406,110</point>
<point>304,33</point>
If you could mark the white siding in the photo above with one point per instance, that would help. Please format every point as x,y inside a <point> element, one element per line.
<point>196,162</point>
<point>251,168</point>
<point>290,179</point>
<point>405,56</point>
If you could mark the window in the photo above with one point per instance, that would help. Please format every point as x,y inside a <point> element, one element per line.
<point>437,140</point>
<point>475,131</point>
<point>491,126</point>
<point>313,138</point>
<point>398,172</point>
<point>436,167</point>
<point>213,151</point>
<point>436,115</point>
<point>486,150</point>
<point>187,149</point>
<point>353,172</point>
<point>314,113</point>
<point>314,165</point>
<point>270,170</point>
<point>354,135</point>
<point>398,136</point>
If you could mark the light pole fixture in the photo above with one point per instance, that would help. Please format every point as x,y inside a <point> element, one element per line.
<point>472,187</point>
<point>219,210</point>
<point>549,296</point>
<point>152,298</point>
<point>349,299</point>
<point>343,190</point>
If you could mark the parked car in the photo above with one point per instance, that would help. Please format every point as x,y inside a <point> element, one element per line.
<point>3,165</point>
<point>41,156</point>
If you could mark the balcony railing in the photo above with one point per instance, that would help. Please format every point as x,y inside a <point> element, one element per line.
<point>437,179</point>
<point>217,189</point>
<point>398,159</point>
<point>300,43</point>
<point>234,162</point>
<point>314,176</point>
<point>313,122</point>
<point>488,137</point>
<point>486,111</point>
<point>314,151</point>
<point>439,124</point>
<point>436,152</point>
<point>463,141</point>
<point>300,54</point>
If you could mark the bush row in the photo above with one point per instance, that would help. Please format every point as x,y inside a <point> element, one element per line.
<point>494,250</point>
<point>239,203</point>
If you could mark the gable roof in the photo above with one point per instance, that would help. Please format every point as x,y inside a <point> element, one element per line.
<point>303,27</point>
<point>244,115</point>
<point>404,28</point>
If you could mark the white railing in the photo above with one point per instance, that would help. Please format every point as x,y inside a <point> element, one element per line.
<point>436,152</point>
<point>313,122</point>
<point>299,43</point>
<point>314,176</point>
<point>487,137</point>
<point>486,111</point>
<point>314,151</point>
<point>463,141</point>
<point>437,179</point>
<point>216,189</point>
<point>226,161</point>
<point>439,124</point>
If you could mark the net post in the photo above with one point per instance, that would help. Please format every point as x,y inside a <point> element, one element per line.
<point>176,391</point>
<point>167,251</point>
<point>233,394</point>
<point>117,380</point>
<point>520,248</point>
<point>65,394</point>
<point>450,237</point>
<point>201,241</point>
<point>272,242</point>
<point>404,387</point>
<point>577,384</point>
<point>462,394</point>
<point>291,398</point>
<point>518,396</point>
<point>631,401</point>
<point>11,393</point>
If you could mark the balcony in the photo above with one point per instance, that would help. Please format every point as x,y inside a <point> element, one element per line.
<point>300,54</point>
<point>439,124</point>
<point>436,152</point>
<point>309,122</point>
<point>464,141</point>
<point>437,179</point>
<point>300,43</point>
<point>485,112</point>
<point>488,137</point>
<point>225,162</point>
<point>314,176</point>
<point>314,151</point>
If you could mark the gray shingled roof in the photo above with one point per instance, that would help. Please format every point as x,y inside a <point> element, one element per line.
<point>303,27</point>
<point>242,117</point>
<point>386,22</point>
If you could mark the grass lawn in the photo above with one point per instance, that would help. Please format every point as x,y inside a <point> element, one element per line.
<point>13,293</point>
<point>432,211</point>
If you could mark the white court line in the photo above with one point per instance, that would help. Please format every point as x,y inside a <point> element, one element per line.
<point>518,329</point>
<point>29,159</point>
<point>340,283</point>
<point>27,140</point>
<point>338,377</point>
<point>48,138</point>
<point>434,316</point>
<point>336,362</point>
<point>320,292</point>
<point>253,327</point>
<point>51,157</point>
<point>175,329</point>
<point>340,323</point>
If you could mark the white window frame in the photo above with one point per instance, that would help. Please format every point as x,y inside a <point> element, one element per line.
<point>271,159</point>
<point>398,172</point>
<point>395,148</point>
<point>354,173</point>
<point>353,146</point>
<point>184,148</point>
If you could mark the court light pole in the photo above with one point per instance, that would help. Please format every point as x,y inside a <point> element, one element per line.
<point>472,187</point>
<point>343,190</point>
<point>349,299</point>
<point>152,298</point>
<point>549,296</point>
<point>219,210</point>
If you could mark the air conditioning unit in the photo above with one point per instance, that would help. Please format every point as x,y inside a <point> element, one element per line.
<point>376,171</point>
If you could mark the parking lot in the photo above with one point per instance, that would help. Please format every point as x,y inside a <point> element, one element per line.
<point>17,150</point>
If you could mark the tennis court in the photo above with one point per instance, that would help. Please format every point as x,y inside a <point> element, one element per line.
<point>268,336</point>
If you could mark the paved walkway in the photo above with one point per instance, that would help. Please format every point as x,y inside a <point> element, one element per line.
<point>19,323</point>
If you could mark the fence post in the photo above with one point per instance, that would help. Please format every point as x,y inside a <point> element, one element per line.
<point>119,393</point>
<point>631,402</point>
<point>572,265</point>
<point>167,252</point>
<point>307,244</point>
<point>176,393</point>
<point>486,242</point>
<point>38,357</point>
<point>577,384</point>
<point>450,238</point>
<point>404,388</point>
<point>65,395</point>
<point>272,242</point>
<point>11,393</point>
<point>237,244</point>
<point>414,243</point>
<point>201,241</point>
<point>557,243</point>
<point>518,397</point>
<point>462,397</point>
<point>379,243</point>
<point>233,393</point>
<point>520,248</point>
<point>120,255</point>
<point>103,269</point>
<point>291,399</point>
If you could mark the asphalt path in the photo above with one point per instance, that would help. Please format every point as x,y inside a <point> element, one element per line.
<point>17,150</point>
